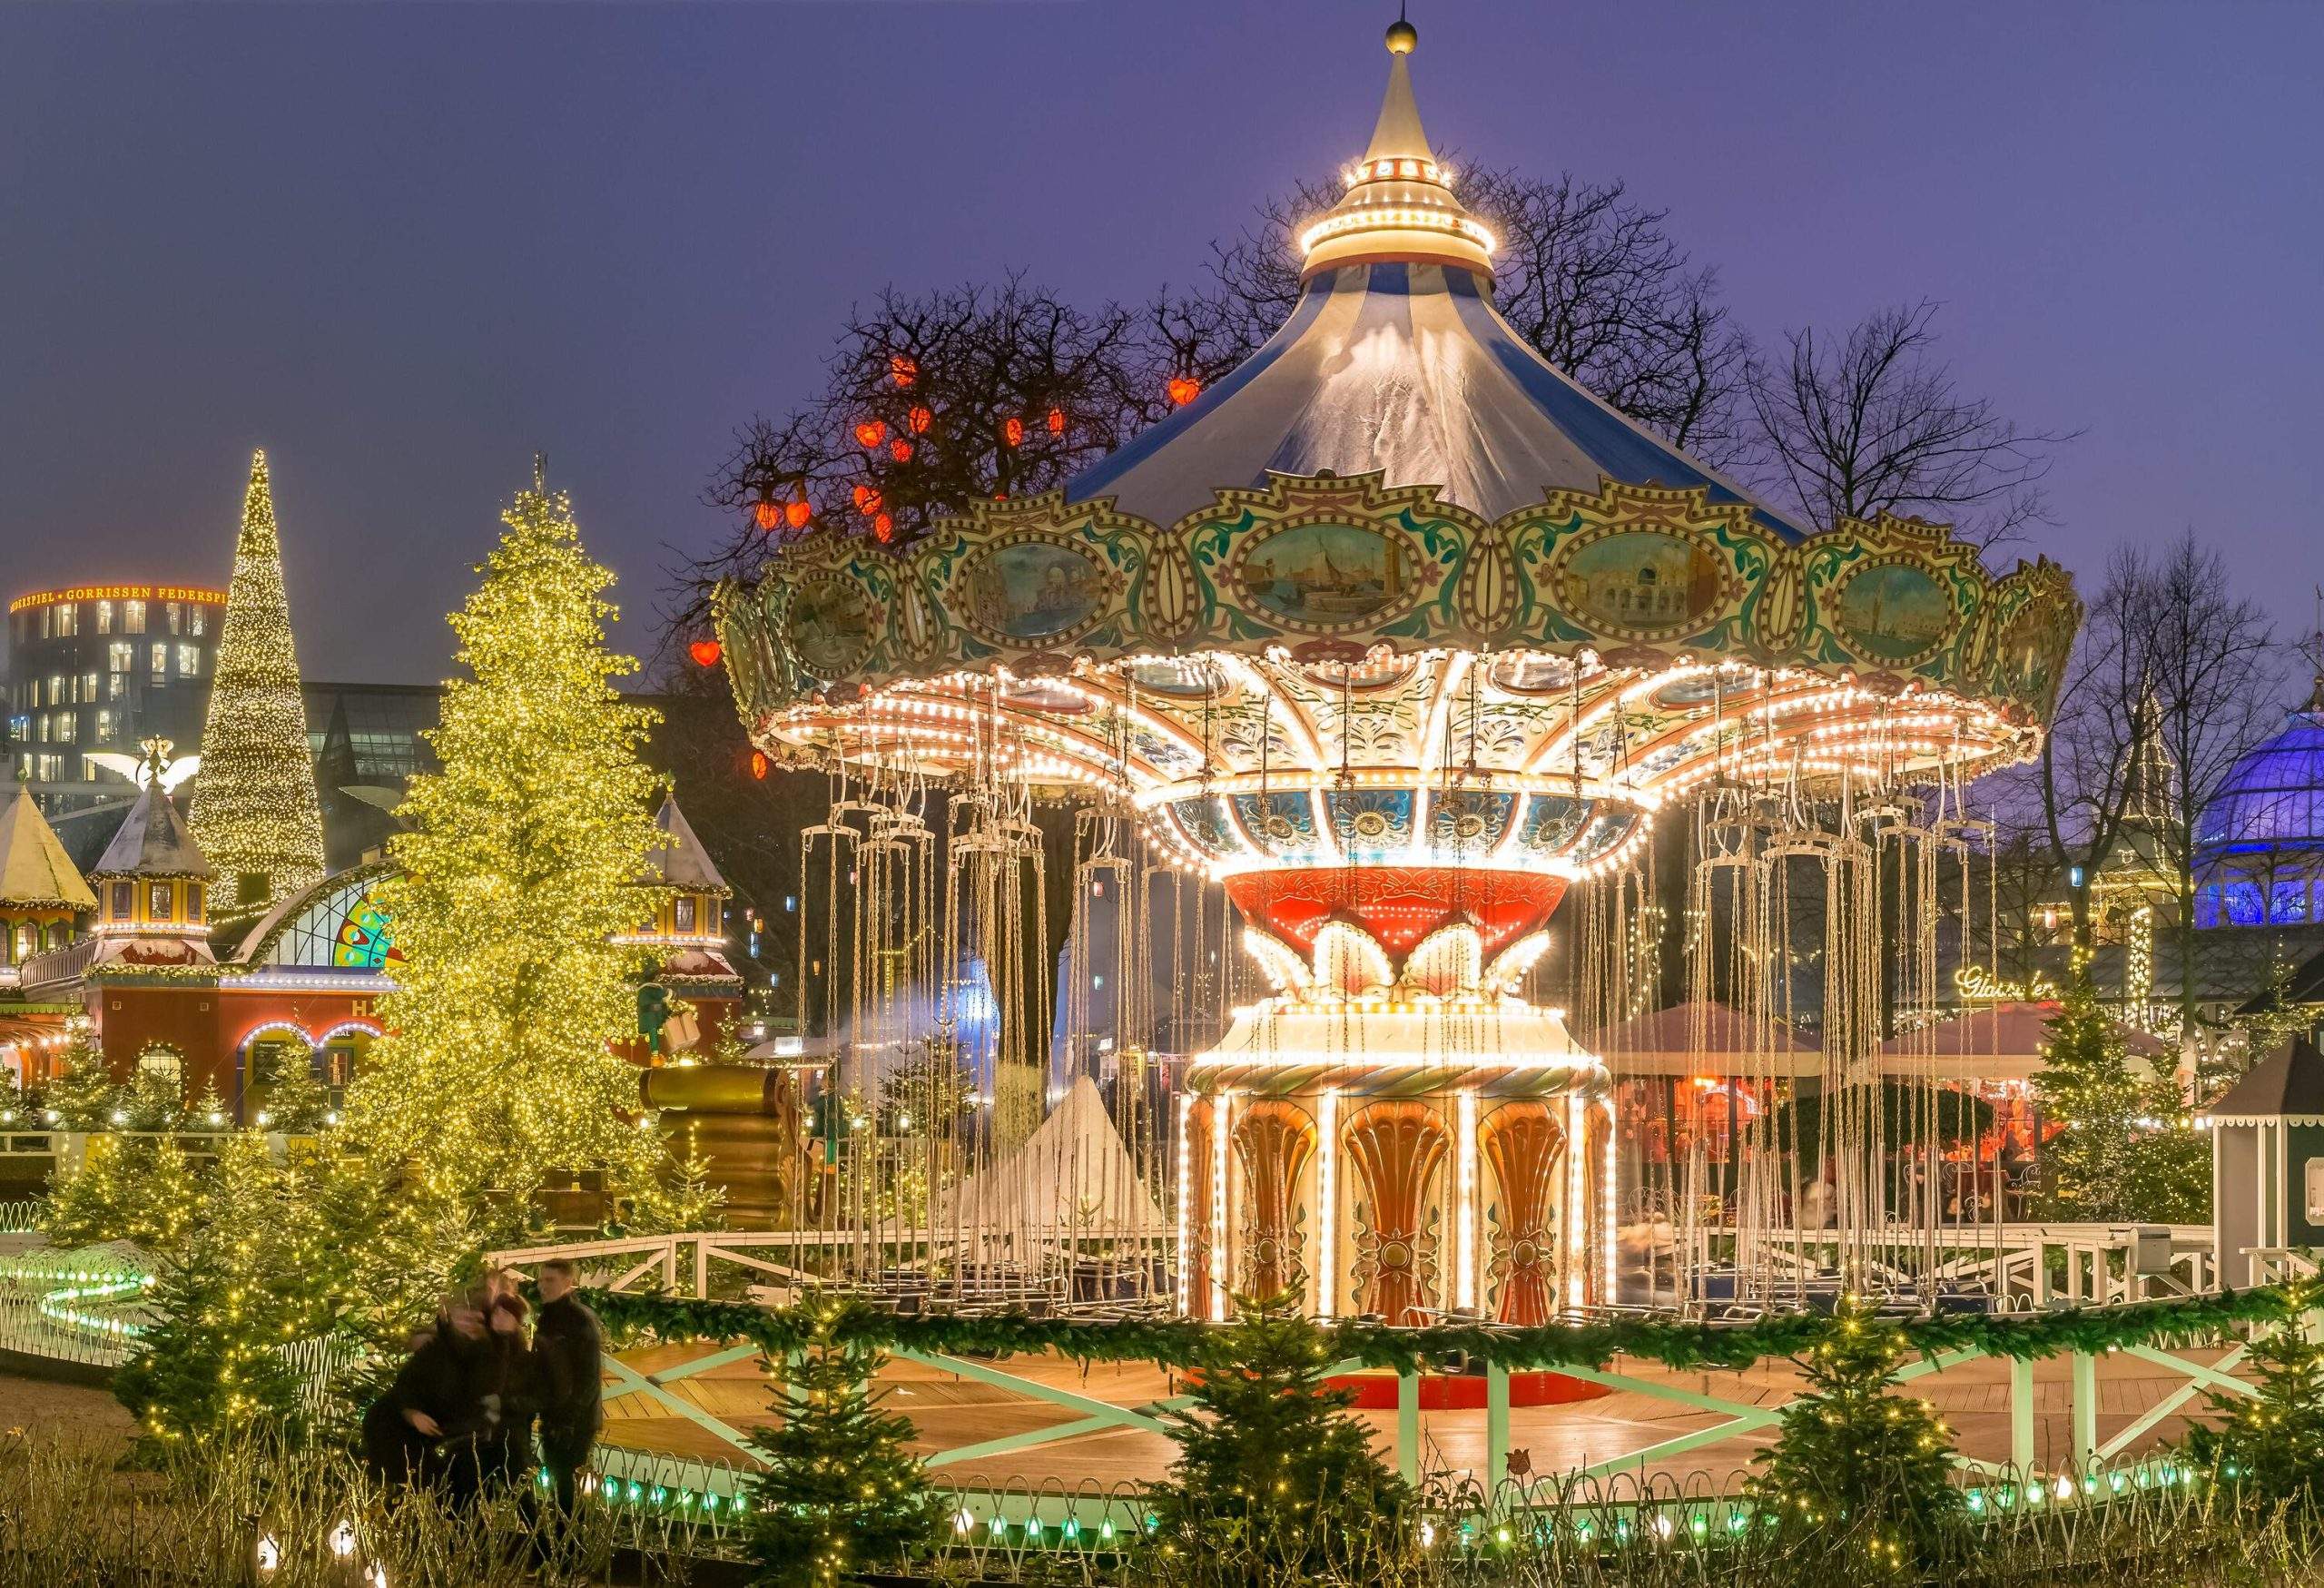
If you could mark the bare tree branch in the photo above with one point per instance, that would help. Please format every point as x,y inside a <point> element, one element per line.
<point>1876,424</point>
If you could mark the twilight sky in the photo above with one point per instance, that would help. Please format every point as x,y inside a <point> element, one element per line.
<point>403,247</point>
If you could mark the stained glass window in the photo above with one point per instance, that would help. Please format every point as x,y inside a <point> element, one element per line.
<point>365,939</point>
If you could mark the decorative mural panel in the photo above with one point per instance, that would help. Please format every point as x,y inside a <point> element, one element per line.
<point>1524,1146</point>
<point>1332,637</point>
<point>1274,1143</point>
<point>1396,1152</point>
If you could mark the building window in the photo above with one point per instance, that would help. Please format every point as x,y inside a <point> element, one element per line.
<point>157,901</point>
<point>89,687</point>
<point>160,659</point>
<point>64,726</point>
<point>121,655</point>
<point>104,727</point>
<point>196,619</point>
<point>165,1063</point>
<point>64,627</point>
<point>104,617</point>
<point>56,689</point>
<point>193,901</point>
<point>189,661</point>
<point>132,617</point>
<point>59,936</point>
<point>124,900</point>
<point>116,686</point>
<point>682,912</point>
<point>171,613</point>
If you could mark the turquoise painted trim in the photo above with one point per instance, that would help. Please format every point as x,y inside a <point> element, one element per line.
<point>631,1382</point>
<point>983,1373</point>
<point>716,1359</point>
<point>1026,1441</point>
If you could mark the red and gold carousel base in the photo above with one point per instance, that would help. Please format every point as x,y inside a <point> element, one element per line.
<point>1397,905</point>
<point>1466,1392</point>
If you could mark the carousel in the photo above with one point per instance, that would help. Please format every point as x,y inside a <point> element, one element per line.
<point>1368,656</point>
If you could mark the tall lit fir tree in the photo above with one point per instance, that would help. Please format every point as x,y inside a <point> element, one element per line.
<point>255,811</point>
<point>517,871</point>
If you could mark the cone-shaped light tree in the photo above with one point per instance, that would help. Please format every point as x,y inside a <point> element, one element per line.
<point>255,812</point>
<point>518,869</point>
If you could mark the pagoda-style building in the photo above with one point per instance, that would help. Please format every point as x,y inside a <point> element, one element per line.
<point>42,895</point>
<point>42,900</point>
<point>686,934</point>
<point>152,883</point>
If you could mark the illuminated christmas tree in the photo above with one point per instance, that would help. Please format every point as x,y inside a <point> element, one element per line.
<point>1859,1473</point>
<point>840,1493</point>
<point>224,1301</point>
<point>1276,1482</point>
<point>517,872</point>
<point>255,812</point>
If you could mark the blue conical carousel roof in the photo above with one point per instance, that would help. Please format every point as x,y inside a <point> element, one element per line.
<point>1394,361</point>
<point>1406,369</point>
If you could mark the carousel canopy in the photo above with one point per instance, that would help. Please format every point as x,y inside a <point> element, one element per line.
<point>1396,362</point>
<point>1396,623</point>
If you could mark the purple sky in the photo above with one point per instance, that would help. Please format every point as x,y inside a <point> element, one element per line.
<point>403,247</point>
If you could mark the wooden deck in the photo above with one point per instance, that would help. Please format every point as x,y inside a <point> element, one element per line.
<point>952,1412</point>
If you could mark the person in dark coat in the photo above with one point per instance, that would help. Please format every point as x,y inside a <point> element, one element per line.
<point>427,1428</point>
<point>568,1384</point>
<point>507,1455</point>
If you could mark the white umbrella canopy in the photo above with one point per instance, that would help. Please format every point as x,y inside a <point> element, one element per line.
<point>1074,1179</point>
<point>1697,1038</point>
<point>1996,1042</point>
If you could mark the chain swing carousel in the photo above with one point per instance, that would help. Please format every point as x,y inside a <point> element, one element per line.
<point>1394,635</point>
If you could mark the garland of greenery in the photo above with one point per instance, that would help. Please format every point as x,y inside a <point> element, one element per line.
<point>2022,1336</point>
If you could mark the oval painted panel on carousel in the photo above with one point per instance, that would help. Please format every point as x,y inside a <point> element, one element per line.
<point>1327,575</point>
<point>1030,590</point>
<point>1893,612</point>
<point>829,625</point>
<point>1644,582</point>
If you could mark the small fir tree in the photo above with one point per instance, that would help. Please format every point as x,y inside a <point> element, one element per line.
<point>517,868</point>
<point>142,1192</point>
<point>238,1289</point>
<point>296,1102</point>
<point>1857,1470</point>
<point>81,1094</point>
<point>839,1494</point>
<point>2270,1445</point>
<point>1273,1480</point>
<point>153,1101</point>
<point>209,1110</point>
<point>2126,1149</point>
<point>662,1193</point>
<point>256,813</point>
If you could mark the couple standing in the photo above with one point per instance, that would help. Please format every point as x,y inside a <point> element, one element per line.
<point>461,1410</point>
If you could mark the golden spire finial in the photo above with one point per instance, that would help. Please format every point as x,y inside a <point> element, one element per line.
<point>1399,205</point>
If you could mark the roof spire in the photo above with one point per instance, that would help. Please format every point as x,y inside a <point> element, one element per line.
<point>1399,205</point>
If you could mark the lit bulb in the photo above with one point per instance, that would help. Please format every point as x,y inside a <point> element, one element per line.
<point>342,1540</point>
<point>270,1554</point>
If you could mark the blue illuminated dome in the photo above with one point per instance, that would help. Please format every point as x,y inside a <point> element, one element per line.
<point>2260,849</point>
